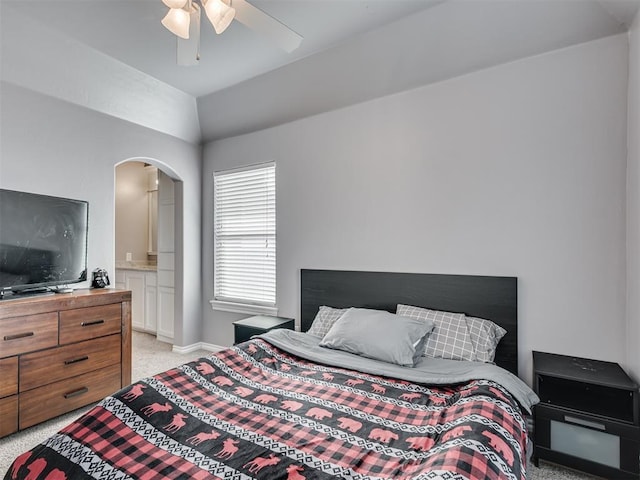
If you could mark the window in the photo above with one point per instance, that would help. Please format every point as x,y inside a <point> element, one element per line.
<point>245,239</point>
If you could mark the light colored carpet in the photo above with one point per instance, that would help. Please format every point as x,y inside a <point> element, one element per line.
<point>151,357</point>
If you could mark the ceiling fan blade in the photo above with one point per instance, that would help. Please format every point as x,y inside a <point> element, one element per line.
<point>266,25</point>
<point>189,49</point>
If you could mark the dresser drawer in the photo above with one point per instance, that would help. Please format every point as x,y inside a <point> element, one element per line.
<point>28,333</point>
<point>91,322</point>
<point>8,415</point>
<point>48,366</point>
<point>46,402</point>
<point>8,376</point>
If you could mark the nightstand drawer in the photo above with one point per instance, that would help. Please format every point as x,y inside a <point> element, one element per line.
<point>591,422</point>
<point>245,329</point>
<point>585,442</point>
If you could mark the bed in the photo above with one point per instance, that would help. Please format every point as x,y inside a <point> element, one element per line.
<point>289,405</point>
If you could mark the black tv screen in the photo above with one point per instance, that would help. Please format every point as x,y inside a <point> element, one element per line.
<point>43,241</point>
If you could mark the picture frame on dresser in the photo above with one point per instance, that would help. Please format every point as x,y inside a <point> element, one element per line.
<point>61,352</point>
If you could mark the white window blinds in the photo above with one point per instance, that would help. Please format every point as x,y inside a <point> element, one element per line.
<point>245,236</point>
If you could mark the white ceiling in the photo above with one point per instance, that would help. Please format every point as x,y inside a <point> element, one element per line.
<point>353,50</point>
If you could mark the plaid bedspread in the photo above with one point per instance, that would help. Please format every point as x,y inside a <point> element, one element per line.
<point>254,411</point>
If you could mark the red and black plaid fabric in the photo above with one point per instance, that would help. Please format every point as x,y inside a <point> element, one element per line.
<point>254,411</point>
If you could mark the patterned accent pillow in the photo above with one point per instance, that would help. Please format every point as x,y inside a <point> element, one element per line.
<point>325,318</point>
<point>450,337</point>
<point>485,336</point>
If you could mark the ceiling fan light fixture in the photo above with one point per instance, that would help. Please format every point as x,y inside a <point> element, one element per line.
<point>177,22</point>
<point>175,3</point>
<point>220,14</point>
<point>183,20</point>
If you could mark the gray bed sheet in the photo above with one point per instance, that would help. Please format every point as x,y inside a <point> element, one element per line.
<point>433,371</point>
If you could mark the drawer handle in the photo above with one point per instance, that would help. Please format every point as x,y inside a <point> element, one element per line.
<point>584,423</point>
<point>75,393</point>
<point>18,335</point>
<point>95,322</point>
<point>76,360</point>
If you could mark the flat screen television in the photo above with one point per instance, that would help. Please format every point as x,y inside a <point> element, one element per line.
<point>43,242</point>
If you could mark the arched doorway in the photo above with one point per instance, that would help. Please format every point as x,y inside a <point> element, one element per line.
<point>146,198</point>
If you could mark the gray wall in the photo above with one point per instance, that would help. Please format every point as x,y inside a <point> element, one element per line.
<point>633,204</point>
<point>514,170</point>
<point>53,147</point>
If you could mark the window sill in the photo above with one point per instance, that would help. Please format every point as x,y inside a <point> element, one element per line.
<point>243,308</point>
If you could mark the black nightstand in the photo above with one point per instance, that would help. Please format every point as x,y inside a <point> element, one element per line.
<point>587,417</point>
<point>245,329</point>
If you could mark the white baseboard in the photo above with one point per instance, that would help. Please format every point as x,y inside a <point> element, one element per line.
<point>162,338</point>
<point>210,347</point>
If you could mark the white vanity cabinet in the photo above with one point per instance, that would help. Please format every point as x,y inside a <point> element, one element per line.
<point>143,284</point>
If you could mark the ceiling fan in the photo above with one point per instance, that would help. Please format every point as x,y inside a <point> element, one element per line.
<point>183,20</point>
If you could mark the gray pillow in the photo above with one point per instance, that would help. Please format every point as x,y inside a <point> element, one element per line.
<point>450,337</point>
<point>379,335</point>
<point>325,318</point>
<point>485,336</point>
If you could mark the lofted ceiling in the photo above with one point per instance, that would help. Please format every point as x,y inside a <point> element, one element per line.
<point>114,55</point>
<point>130,31</point>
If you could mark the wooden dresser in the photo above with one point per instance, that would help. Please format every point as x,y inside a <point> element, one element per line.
<point>61,352</point>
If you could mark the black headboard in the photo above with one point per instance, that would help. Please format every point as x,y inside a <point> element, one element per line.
<point>493,298</point>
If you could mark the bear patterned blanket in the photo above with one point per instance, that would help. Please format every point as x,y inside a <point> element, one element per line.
<point>256,411</point>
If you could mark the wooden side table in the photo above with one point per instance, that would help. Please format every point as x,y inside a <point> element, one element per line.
<point>245,329</point>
